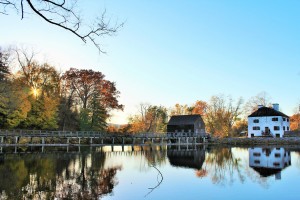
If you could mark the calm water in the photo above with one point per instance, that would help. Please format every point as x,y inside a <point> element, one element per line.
<point>165,173</point>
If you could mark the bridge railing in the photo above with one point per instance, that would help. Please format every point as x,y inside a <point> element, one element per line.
<point>91,134</point>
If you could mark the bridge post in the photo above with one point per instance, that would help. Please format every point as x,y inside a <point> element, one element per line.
<point>113,140</point>
<point>101,140</point>
<point>16,139</point>
<point>112,148</point>
<point>132,148</point>
<point>179,141</point>
<point>133,140</point>
<point>43,140</point>
<point>2,139</point>
<point>91,141</point>
<point>152,140</point>
<point>79,140</point>
<point>68,140</point>
<point>143,141</point>
<point>162,140</point>
<point>123,148</point>
<point>123,141</point>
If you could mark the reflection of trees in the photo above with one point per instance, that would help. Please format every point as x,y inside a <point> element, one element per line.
<point>222,164</point>
<point>156,157</point>
<point>63,176</point>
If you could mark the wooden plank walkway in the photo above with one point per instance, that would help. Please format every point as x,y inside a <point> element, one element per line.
<point>13,137</point>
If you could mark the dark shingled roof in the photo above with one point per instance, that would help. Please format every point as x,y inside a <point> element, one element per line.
<point>183,119</point>
<point>265,111</point>
<point>265,172</point>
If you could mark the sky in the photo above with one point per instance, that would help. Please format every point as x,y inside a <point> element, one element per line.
<point>176,51</point>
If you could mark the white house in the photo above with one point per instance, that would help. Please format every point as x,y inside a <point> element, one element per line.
<point>268,122</point>
<point>269,161</point>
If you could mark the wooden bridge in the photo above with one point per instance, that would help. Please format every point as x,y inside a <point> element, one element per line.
<point>61,138</point>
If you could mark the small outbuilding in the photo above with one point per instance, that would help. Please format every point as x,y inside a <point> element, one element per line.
<point>267,121</point>
<point>187,124</point>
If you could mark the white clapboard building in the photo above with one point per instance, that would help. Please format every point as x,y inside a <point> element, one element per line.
<point>267,121</point>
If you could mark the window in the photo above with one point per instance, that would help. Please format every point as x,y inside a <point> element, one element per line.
<point>275,119</point>
<point>256,161</point>
<point>256,121</point>
<point>287,119</point>
<point>256,154</point>
<point>276,128</point>
<point>256,128</point>
<point>277,135</point>
<point>276,164</point>
<point>284,128</point>
<point>284,119</point>
<point>287,128</point>
<point>277,155</point>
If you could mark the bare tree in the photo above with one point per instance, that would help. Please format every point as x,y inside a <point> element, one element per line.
<point>63,14</point>
<point>252,104</point>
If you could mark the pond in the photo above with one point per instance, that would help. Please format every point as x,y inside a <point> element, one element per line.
<point>199,172</point>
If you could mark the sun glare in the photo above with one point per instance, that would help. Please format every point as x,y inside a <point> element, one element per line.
<point>35,92</point>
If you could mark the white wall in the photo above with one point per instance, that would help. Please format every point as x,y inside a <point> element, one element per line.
<point>267,122</point>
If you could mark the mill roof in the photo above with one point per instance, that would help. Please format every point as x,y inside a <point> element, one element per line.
<point>183,119</point>
<point>265,111</point>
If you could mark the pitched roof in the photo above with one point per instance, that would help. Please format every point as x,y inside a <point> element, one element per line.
<point>183,119</point>
<point>265,172</point>
<point>265,111</point>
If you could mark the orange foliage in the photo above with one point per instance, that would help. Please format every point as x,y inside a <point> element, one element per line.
<point>199,107</point>
<point>201,173</point>
<point>295,122</point>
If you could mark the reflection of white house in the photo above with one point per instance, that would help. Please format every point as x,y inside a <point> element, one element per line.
<point>269,161</point>
<point>268,122</point>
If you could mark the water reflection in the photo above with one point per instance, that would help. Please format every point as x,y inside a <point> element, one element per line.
<point>190,158</point>
<point>144,172</point>
<point>269,161</point>
<point>62,176</point>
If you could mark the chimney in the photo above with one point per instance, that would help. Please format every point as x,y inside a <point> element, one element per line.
<point>260,106</point>
<point>276,106</point>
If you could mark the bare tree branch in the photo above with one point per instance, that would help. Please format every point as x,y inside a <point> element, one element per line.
<point>63,14</point>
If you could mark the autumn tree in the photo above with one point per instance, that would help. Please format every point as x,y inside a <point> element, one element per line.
<point>93,94</point>
<point>295,122</point>
<point>65,15</point>
<point>221,114</point>
<point>41,84</point>
<point>199,107</point>
<point>150,118</point>
<point>179,109</point>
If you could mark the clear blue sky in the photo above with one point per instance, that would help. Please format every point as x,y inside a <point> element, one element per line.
<point>180,51</point>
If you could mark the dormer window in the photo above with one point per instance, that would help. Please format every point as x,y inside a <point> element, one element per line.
<point>275,119</point>
<point>256,121</point>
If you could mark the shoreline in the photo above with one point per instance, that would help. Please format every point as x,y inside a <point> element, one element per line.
<point>255,141</point>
